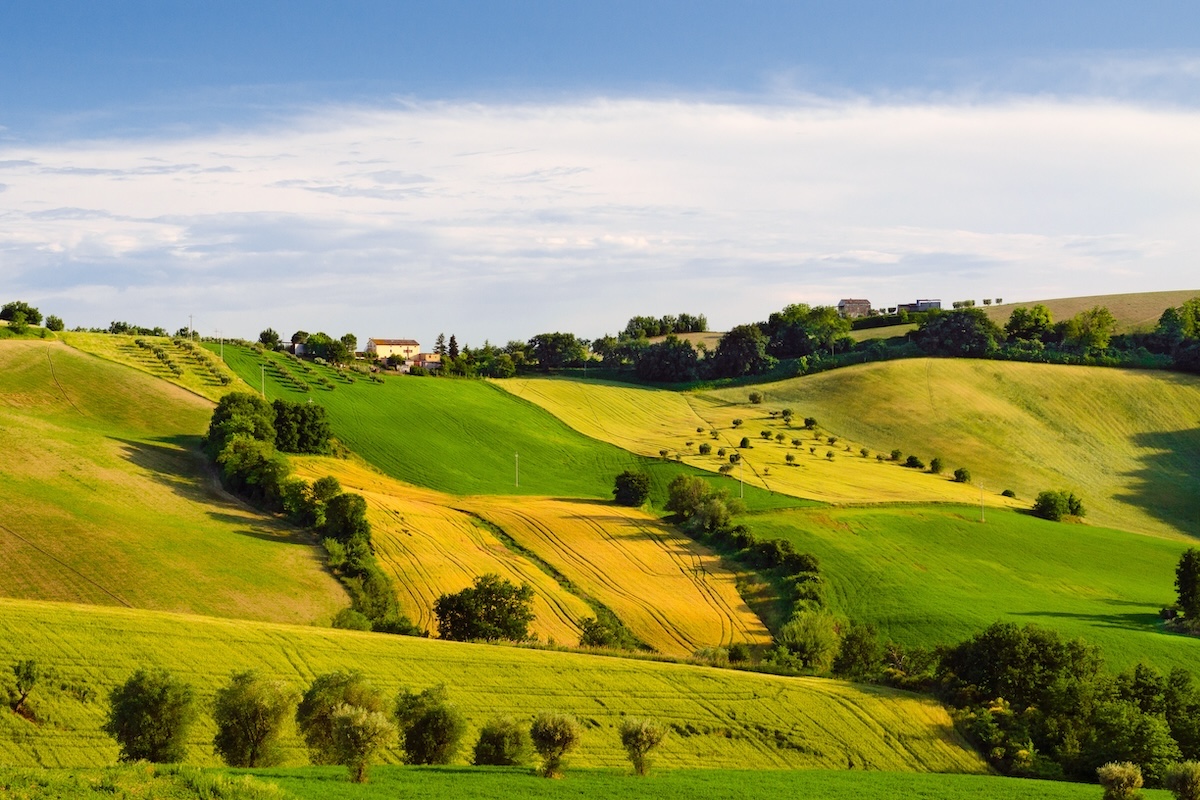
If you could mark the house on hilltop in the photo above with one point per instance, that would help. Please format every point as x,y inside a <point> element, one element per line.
<point>382,348</point>
<point>852,309</point>
<point>920,305</point>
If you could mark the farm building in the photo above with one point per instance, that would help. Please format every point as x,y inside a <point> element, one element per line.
<point>851,309</point>
<point>382,348</point>
<point>921,305</point>
<point>428,360</point>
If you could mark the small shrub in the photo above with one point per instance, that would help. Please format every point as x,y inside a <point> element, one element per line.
<point>879,456</point>
<point>865,453</point>
<point>739,653</point>
<point>1005,493</point>
<point>829,454</point>
<point>832,440</point>
<point>897,454</point>
<point>1121,780</point>
<point>745,443</point>
<point>700,430</point>
<point>1184,780</point>
<point>790,458</point>
<point>349,619</point>
<point>1054,506</point>
<point>632,488</point>
<point>765,434</point>
<point>935,466</point>
<point>756,397</point>
<point>779,438</point>
<point>553,736</point>
<point>810,422</point>
<point>503,742</point>
<point>705,448</point>
<point>737,423</point>
<point>721,452</point>
<point>795,442</point>
<point>912,462</point>
<point>639,737</point>
<point>962,475</point>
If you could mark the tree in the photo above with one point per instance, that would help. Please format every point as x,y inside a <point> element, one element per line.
<point>491,609</point>
<point>1187,583</point>
<point>269,339</point>
<point>54,323</point>
<point>639,737</point>
<point>31,315</point>
<point>431,728</point>
<point>672,360</point>
<point>346,518</point>
<point>1091,329</point>
<point>962,475</point>
<point>326,694</point>
<point>240,413</point>
<point>1184,780</point>
<point>440,346</point>
<point>250,713</point>
<point>741,351</point>
<point>812,638</point>
<point>502,743</point>
<point>27,674</point>
<point>685,494</point>
<point>357,734</point>
<point>350,342</point>
<point>17,324</point>
<point>1029,324</point>
<point>452,350</point>
<point>1121,780</point>
<point>936,466</point>
<point>1054,505</point>
<point>968,333</point>
<point>557,350</point>
<point>632,488</point>
<point>149,715</point>
<point>860,654</point>
<point>554,735</point>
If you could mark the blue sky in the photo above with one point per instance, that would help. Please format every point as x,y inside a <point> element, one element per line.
<point>501,169</point>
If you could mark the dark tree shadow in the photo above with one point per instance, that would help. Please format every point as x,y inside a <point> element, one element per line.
<point>1167,485</point>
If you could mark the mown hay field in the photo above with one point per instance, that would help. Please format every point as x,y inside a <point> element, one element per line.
<point>936,574</point>
<point>194,373</point>
<point>648,421</point>
<point>1127,441</point>
<point>1138,311</point>
<point>719,718</point>
<point>460,436</point>
<point>430,549</point>
<point>105,498</point>
<point>672,594</point>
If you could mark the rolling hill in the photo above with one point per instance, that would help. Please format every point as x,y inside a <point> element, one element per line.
<point>1138,311</point>
<point>719,718</point>
<point>107,500</point>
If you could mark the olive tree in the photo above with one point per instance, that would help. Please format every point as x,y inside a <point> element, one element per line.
<point>326,694</point>
<point>357,734</point>
<point>431,728</point>
<point>639,737</point>
<point>250,713</point>
<point>149,715</point>
<point>503,742</point>
<point>554,735</point>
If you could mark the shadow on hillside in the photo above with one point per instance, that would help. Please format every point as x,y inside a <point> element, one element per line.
<point>178,463</point>
<point>1167,485</point>
<point>1132,621</point>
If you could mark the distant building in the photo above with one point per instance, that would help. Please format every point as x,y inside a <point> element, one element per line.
<point>920,305</point>
<point>851,309</point>
<point>428,361</point>
<point>382,348</point>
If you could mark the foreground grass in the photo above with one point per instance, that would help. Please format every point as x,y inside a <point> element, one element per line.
<point>484,783</point>
<point>935,574</point>
<point>463,437</point>
<point>718,718</point>
<point>1127,441</point>
<point>105,498</point>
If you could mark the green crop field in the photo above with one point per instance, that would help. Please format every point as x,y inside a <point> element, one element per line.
<point>1127,441</point>
<point>485,783</point>
<point>929,575</point>
<point>459,436</point>
<point>104,498</point>
<point>719,718</point>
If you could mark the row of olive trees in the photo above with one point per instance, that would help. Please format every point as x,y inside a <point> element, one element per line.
<point>344,720</point>
<point>1122,780</point>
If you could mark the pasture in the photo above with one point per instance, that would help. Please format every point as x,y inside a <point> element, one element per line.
<point>1127,441</point>
<point>935,574</point>
<point>1138,311</point>
<point>106,499</point>
<point>718,718</point>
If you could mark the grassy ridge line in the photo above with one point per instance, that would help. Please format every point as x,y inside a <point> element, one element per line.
<point>721,718</point>
<point>1138,311</point>
<point>464,437</point>
<point>430,549</point>
<point>647,421</point>
<point>105,499</point>
<point>937,575</point>
<point>1126,440</point>
<point>671,593</point>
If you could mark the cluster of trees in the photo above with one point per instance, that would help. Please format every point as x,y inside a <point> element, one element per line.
<point>1185,614</point>
<point>20,316</point>
<point>489,610</point>
<point>344,720</point>
<point>1055,505</point>
<point>647,327</point>
<point>242,438</point>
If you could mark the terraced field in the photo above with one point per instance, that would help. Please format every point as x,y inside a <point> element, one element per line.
<point>194,374</point>
<point>106,499</point>
<point>431,549</point>
<point>720,718</point>
<point>671,593</point>
<point>935,574</point>
<point>648,421</point>
<point>1127,441</point>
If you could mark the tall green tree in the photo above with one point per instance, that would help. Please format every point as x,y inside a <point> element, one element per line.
<point>1029,324</point>
<point>250,713</point>
<point>431,727</point>
<point>1091,329</point>
<point>31,315</point>
<point>315,713</point>
<point>741,351</point>
<point>672,360</point>
<point>150,715</point>
<point>489,610</point>
<point>1187,583</point>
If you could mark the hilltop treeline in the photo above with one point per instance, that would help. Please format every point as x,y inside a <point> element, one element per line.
<point>245,437</point>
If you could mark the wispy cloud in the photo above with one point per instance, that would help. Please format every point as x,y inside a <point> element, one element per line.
<point>505,220</point>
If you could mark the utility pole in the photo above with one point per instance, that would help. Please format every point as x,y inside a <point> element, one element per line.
<point>190,335</point>
<point>222,338</point>
<point>742,477</point>
<point>263,368</point>
<point>517,467</point>
<point>981,519</point>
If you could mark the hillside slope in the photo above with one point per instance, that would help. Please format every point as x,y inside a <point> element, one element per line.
<point>1127,441</point>
<point>1138,311</point>
<point>105,499</point>
<point>721,718</point>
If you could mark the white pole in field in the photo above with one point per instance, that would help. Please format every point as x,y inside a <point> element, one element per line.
<point>741,476</point>
<point>222,338</point>
<point>263,367</point>
<point>190,327</point>
<point>981,519</point>
<point>517,468</point>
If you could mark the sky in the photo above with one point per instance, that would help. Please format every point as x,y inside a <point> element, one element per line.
<point>502,169</point>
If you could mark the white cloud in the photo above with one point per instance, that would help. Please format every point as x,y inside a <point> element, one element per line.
<point>505,220</point>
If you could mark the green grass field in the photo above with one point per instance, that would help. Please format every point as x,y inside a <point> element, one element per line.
<point>935,574</point>
<point>485,783</point>
<point>1127,441</point>
<point>105,498</point>
<point>1138,311</point>
<point>464,437</point>
<point>719,718</point>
